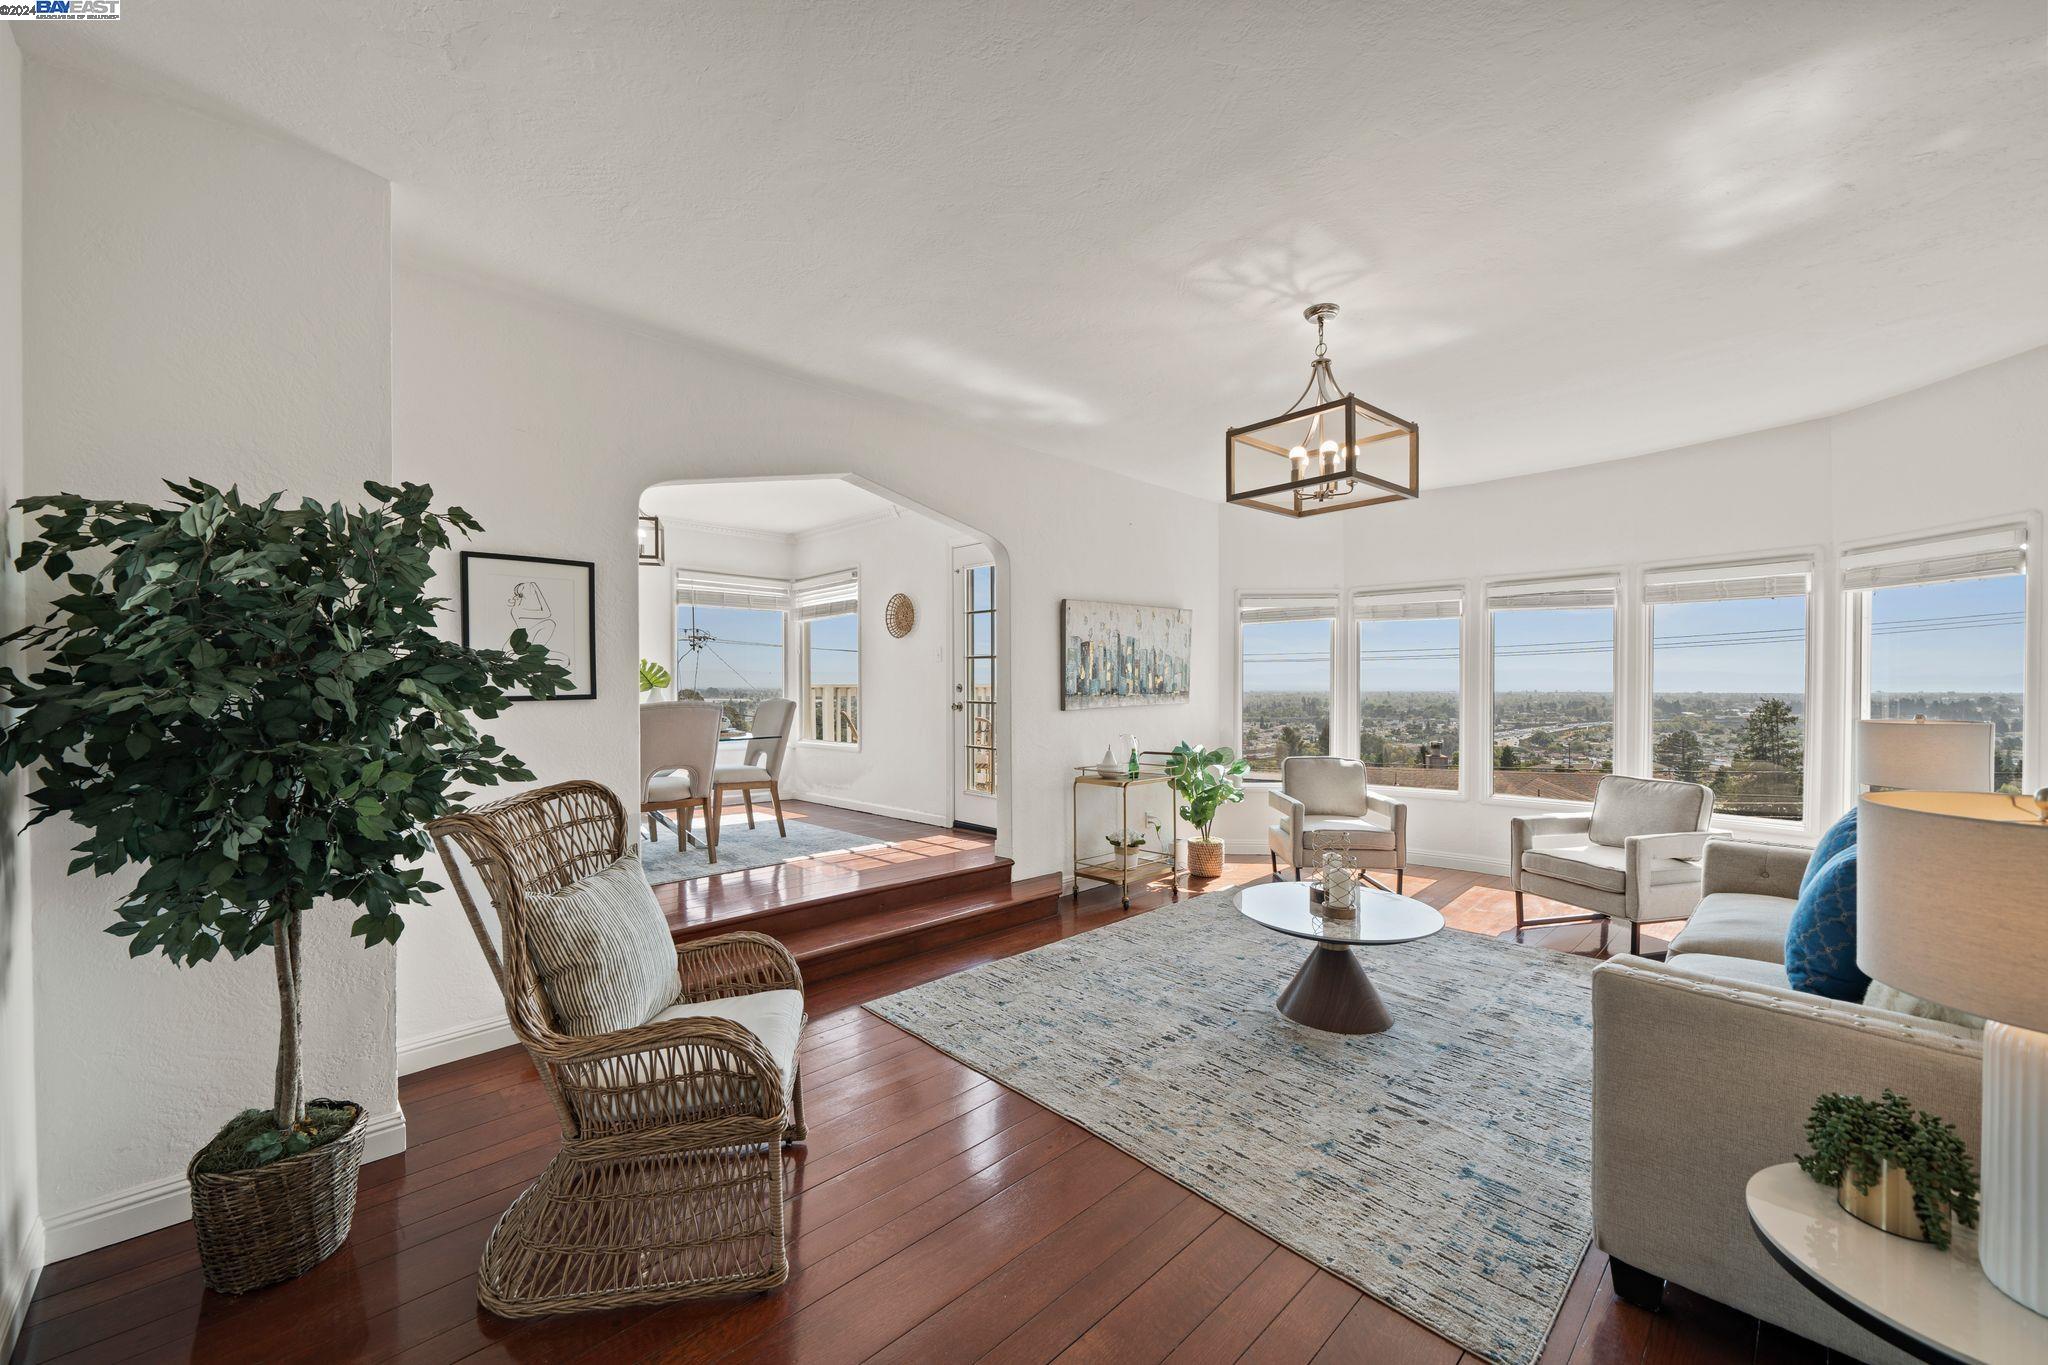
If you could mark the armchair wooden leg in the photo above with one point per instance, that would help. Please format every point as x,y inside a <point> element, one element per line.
<point>1604,922</point>
<point>1275,859</point>
<point>1401,881</point>
<point>1518,917</point>
<point>775,795</point>
<point>1635,938</point>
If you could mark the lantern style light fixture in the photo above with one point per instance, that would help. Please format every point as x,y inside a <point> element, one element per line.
<point>1332,450</point>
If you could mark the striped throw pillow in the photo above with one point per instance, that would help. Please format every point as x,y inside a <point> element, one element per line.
<point>603,951</point>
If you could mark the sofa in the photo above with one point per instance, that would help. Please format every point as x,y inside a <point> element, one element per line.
<point>1705,1066</point>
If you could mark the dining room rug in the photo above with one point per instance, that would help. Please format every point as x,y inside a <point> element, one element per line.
<point>740,848</point>
<point>1442,1167</point>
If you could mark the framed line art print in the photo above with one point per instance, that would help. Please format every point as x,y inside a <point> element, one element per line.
<point>553,600</point>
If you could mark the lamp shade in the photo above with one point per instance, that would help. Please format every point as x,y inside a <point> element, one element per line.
<point>1924,755</point>
<point>1952,900</point>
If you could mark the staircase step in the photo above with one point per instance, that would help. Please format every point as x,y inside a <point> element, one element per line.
<point>845,945</point>
<point>787,898</point>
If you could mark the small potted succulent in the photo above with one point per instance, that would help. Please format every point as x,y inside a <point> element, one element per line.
<point>1896,1169</point>
<point>1206,780</point>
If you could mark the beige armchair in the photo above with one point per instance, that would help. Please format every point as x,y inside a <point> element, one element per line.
<point>1634,857</point>
<point>678,761</point>
<point>1324,804</point>
<point>762,767</point>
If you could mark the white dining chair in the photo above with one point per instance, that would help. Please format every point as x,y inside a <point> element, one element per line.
<point>762,768</point>
<point>679,766</point>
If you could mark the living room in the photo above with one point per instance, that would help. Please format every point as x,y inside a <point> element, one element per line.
<point>1710,519</point>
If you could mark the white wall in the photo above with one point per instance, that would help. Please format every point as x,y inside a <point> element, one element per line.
<point>20,1228</point>
<point>546,421</point>
<point>1968,449</point>
<point>903,766</point>
<point>201,300</point>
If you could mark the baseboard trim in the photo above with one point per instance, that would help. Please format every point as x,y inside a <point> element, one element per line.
<point>20,1288</point>
<point>1417,857</point>
<point>921,817</point>
<point>161,1203</point>
<point>454,1044</point>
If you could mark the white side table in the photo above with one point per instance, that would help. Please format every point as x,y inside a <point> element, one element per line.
<point>1934,1305</point>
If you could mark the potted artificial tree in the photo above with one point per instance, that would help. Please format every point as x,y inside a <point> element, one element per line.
<point>246,701</point>
<point>1206,780</point>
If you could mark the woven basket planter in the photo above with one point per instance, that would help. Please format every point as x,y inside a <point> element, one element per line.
<point>270,1223</point>
<point>1205,858</point>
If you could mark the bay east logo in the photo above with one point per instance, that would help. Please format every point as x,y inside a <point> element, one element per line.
<point>62,9</point>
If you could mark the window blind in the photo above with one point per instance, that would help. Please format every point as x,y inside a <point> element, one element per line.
<point>1936,559</point>
<point>1286,607</point>
<point>697,588</point>
<point>832,594</point>
<point>1728,582</point>
<point>1415,604</point>
<point>1551,594</point>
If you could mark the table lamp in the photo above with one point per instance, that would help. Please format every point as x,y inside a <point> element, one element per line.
<point>1952,905</point>
<point>1925,755</point>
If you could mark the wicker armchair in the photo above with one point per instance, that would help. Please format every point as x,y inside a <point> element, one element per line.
<point>669,1182</point>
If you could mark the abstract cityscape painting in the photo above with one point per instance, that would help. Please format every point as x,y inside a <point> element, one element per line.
<point>1121,655</point>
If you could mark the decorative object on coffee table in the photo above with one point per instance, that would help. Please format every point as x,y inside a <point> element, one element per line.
<point>1206,780</point>
<point>1950,908</point>
<point>1898,1170</point>
<point>1332,992</point>
<point>1335,887</point>
<point>1932,1304</point>
<point>900,616</point>
<point>228,677</point>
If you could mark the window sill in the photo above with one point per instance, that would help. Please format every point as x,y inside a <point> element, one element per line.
<point>1535,802</point>
<point>1419,793</point>
<point>832,744</point>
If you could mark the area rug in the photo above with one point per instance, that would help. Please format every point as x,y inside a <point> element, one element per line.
<point>740,848</point>
<point>1442,1166</point>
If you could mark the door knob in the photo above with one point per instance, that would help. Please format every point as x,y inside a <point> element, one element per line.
<point>959,706</point>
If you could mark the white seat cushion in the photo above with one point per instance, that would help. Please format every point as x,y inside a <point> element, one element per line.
<point>775,1017</point>
<point>1738,924</point>
<point>742,774</point>
<point>1603,868</point>
<point>1346,831</point>
<point>669,786</point>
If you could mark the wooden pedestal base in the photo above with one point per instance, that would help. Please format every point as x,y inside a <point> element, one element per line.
<point>1332,992</point>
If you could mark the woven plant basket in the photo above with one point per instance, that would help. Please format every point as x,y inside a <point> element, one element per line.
<point>273,1222</point>
<point>1205,858</point>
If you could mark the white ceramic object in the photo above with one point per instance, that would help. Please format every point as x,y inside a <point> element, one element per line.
<point>2012,1244</point>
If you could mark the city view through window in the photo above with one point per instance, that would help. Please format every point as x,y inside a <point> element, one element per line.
<point>1728,701</point>
<point>1408,702</point>
<point>1553,701</point>
<point>730,655</point>
<point>1286,699</point>
<point>1953,651</point>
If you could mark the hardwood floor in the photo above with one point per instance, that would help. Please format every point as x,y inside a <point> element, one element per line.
<point>934,1216</point>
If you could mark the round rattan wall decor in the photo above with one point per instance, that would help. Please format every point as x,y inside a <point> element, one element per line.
<point>900,616</point>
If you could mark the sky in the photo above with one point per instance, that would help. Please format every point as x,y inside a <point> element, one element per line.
<point>1947,637</point>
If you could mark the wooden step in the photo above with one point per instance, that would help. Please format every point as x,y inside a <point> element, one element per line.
<point>833,949</point>
<point>785,898</point>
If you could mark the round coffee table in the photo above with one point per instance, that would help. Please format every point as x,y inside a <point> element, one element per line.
<point>1331,992</point>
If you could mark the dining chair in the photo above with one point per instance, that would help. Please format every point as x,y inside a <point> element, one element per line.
<point>678,766</point>
<point>762,770</point>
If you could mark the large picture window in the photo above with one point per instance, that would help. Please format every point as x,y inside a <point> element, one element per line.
<point>1553,687</point>
<point>1728,694</point>
<point>729,634</point>
<point>1408,686</point>
<point>1286,649</point>
<point>828,614</point>
<point>1940,626</point>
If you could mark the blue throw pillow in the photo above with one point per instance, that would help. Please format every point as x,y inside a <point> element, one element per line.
<point>1840,835</point>
<point>1820,944</point>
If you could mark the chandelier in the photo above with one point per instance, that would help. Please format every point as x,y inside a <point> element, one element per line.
<point>1330,451</point>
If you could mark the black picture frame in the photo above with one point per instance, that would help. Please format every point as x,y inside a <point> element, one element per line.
<point>646,524</point>
<point>484,576</point>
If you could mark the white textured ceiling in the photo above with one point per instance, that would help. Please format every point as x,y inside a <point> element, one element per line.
<point>789,507</point>
<point>1560,233</point>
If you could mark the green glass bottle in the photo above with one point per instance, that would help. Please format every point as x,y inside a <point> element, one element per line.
<point>1132,769</point>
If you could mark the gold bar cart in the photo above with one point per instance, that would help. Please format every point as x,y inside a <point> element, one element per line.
<point>1119,869</point>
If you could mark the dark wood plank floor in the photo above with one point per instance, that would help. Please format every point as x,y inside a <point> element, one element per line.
<point>934,1217</point>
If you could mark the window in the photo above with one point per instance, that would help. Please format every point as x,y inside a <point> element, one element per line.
<point>1286,646</point>
<point>828,613</point>
<point>729,641</point>
<point>1553,687</point>
<point>980,684</point>
<point>1941,629</point>
<point>1408,686</point>
<point>1728,699</point>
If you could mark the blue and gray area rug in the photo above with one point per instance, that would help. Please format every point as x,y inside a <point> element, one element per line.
<point>739,848</point>
<point>1443,1166</point>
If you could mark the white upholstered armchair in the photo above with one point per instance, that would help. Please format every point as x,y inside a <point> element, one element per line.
<point>1323,804</point>
<point>1634,857</point>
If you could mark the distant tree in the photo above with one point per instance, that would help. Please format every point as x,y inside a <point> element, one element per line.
<point>1373,749</point>
<point>1288,744</point>
<point>1505,757</point>
<point>1542,739</point>
<point>1770,734</point>
<point>1680,753</point>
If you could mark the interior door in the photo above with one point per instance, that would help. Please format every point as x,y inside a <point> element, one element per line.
<point>976,764</point>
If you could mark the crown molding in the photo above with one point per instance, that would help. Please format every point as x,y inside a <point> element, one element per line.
<point>850,524</point>
<point>736,532</point>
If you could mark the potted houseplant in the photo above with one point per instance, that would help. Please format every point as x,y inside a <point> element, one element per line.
<point>1898,1170</point>
<point>653,680</point>
<point>1206,780</point>
<point>247,702</point>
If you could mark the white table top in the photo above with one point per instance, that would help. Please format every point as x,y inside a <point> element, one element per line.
<point>1938,1300</point>
<point>1377,916</point>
